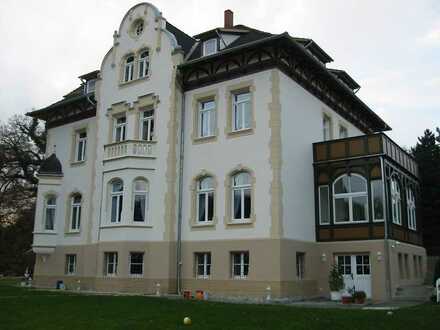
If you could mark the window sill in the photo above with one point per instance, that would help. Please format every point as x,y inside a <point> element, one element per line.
<point>203,277</point>
<point>204,226</point>
<point>126,226</point>
<point>45,232</point>
<point>239,277</point>
<point>204,139</point>
<point>77,163</point>
<point>133,81</point>
<point>242,132</point>
<point>350,222</point>
<point>72,232</point>
<point>136,276</point>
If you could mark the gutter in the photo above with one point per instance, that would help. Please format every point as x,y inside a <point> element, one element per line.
<point>388,281</point>
<point>180,192</point>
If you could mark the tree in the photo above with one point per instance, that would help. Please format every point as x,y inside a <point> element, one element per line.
<point>22,144</point>
<point>427,154</point>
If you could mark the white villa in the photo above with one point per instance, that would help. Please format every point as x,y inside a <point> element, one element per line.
<point>230,161</point>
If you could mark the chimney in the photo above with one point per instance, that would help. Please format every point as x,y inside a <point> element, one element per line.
<point>229,19</point>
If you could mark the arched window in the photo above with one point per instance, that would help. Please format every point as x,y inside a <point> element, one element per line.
<point>49,212</point>
<point>205,199</point>
<point>411,208</point>
<point>75,214</point>
<point>128,68</point>
<point>140,198</point>
<point>350,199</point>
<point>396,202</point>
<point>117,195</point>
<point>143,64</point>
<point>241,196</point>
<point>139,28</point>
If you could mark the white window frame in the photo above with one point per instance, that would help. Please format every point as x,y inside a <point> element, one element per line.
<point>205,192</point>
<point>396,202</point>
<point>206,264</point>
<point>122,127</point>
<point>81,142</point>
<point>344,129</point>
<point>372,199</point>
<point>69,264</point>
<point>206,108</point>
<point>130,263</point>
<point>47,207</point>
<point>119,201</point>
<point>350,196</point>
<point>147,122</point>
<point>326,129</point>
<point>328,207</point>
<point>411,208</point>
<point>242,264</point>
<point>241,188</point>
<point>129,68</point>
<point>75,218</point>
<point>206,43</point>
<point>90,86</point>
<point>239,110</point>
<point>114,263</point>
<point>143,64</point>
<point>144,194</point>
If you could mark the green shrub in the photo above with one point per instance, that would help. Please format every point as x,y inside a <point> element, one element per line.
<point>335,279</point>
<point>436,271</point>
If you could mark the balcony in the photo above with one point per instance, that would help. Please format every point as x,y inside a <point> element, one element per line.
<point>130,149</point>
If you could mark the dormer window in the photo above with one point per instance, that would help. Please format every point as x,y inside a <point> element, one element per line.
<point>128,68</point>
<point>143,64</point>
<point>209,47</point>
<point>90,86</point>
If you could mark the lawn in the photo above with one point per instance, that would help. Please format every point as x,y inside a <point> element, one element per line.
<point>22,308</point>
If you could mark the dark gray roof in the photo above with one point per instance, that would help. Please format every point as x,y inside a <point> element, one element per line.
<point>51,165</point>
<point>184,40</point>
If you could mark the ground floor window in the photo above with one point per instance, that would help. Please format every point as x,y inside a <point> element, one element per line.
<point>111,263</point>
<point>240,264</point>
<point>300,265</point>
<point>400,262</point>
<point>136,265</point>
<point>70,264</point>
<point>203,264</point>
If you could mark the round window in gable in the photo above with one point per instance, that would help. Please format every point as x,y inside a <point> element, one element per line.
<point>139,27</point>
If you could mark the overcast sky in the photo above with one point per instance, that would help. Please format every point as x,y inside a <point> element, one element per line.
<point>391,48</point>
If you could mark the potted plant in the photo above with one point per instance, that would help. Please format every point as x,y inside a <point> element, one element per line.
<point>336,283</point>
<point>359,297</point>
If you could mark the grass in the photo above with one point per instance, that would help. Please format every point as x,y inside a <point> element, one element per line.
<point>22,308</point>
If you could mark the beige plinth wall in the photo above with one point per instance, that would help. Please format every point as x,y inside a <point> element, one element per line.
<point>272,263</point>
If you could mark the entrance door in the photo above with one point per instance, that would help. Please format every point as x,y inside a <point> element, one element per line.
<point>356,270</point>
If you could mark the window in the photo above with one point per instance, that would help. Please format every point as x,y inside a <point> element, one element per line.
<point>139,28</point>
<point>128,68</point>
<point>75,216</point>
<point>344,264</point>
<point>416,267</point>
<point>90,86</point>
<point>140,209</point>
<point>117,192</point>
<point>420,265</point>
<point>136,265</point>
<point>241,196</point>
<point>377,200</point>
<point>240,264</point>
<point>326,128</point>
<point>406,258</point>
<point>300,265</point>
<point>111,263</point>
<point>143,64</point>
<point>81,144</point>
<point>70,264</point>
<point>203,264</point>
<point>343,132</point>
<point>241,111</point>
<point>411,208</point>
<point>363,265</point>
<point>206,118</point>
<point>120,128</point>
<point>49,216</point>
<point>205,199</point>
<point>147,125</point>
<point>209,47</point>
<point>396,203</point>
<point>350,201</point>
<point>324,205</point>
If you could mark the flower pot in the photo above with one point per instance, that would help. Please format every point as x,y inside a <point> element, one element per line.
<point>335,295</point>
<point>347,300</point>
